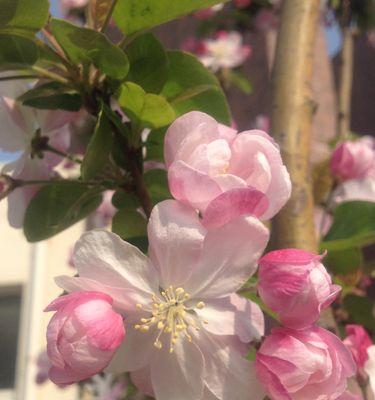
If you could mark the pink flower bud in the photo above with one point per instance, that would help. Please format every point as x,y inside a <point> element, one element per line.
<point>354,160</point>
<point>82,336</point>
<point>358,341</point>
<point>295,284</point>
<point>306,364</point>
<point>206,160</point>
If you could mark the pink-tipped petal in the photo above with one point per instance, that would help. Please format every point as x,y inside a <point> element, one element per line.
<point>232,204</point>
<point>191,186</point>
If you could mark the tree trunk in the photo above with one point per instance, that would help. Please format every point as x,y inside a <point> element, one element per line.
<point>346,80</point>
<point>292,113</point>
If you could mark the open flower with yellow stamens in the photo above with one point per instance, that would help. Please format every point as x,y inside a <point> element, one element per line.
<point>186,328</point>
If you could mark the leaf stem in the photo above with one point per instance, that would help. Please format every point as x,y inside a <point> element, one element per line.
<point>62,154</point>
<point>14,77</point>
<point>20,183</point>
<point>108,16</point>
<point>49,74</point>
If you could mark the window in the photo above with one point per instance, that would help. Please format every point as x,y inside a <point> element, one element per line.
<point>10,308</point>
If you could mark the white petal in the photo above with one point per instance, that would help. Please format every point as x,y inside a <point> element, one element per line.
<point>124,300</point>
<point>233,315</point>
<point>178,375</point>
<point>230,256</point>
<point>18,200</point>
<point>105,257</point>
<point>228,375</point>
<point>136,351</point>
<point>176,238</point>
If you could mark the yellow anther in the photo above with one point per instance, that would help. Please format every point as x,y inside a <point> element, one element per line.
<point>158,344</point>
<point>168,314</point>
<point>200,305</point>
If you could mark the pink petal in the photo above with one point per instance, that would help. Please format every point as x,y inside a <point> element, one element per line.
<point>232,204</point>
<point>191,186</point>
<point>279,187</point>
<point>176,239</point>
<point>190,130</point>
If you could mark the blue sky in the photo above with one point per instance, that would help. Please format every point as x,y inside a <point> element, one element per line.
<point>333,39</point>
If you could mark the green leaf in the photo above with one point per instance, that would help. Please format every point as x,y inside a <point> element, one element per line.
<point>98,149</point>
<point>23,15</point>
<point>121,199</point>
<point>135,15</point>
<point>151,110</point>
<point>17,52</point>
<point>58,206</point>
<point>52,96</point>
<point>344,261</point>
<point>360,310</point>
<point>155,145</point>
<point>190,86</point>
<point>132,227</point>
<point>148,63</point>
<point>353,225</point>
<point>156,181</point>
<point>83,45</point>
<point>240,81</point>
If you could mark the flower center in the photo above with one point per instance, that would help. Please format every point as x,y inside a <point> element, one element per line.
<point>170,315</point>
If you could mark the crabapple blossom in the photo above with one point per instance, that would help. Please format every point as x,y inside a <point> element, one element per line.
<point>358,341</point>
<point>354,190</point>
<point>22,130</point>
<point>353,162</point>
<point>82,336</point>
<point>186,327</point>
<point>306,364</point>
<point>210,164</point>
<point>354,159</point>
<point>225,50</point>
<point>295,284</point>
<point>105,212</point>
